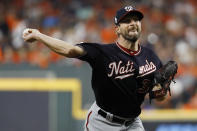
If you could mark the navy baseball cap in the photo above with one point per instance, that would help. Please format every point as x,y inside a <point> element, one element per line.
<point>121,13</point>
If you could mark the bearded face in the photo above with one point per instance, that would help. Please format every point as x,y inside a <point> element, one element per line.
<point>130,28</point>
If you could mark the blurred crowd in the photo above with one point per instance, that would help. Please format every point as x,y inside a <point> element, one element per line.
<point>169,28</point>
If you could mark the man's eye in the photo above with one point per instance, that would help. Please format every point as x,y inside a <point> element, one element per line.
<point>126,21</point>
<point>136,19</point>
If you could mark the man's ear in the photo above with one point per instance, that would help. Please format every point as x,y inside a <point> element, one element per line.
<point>117,29</point>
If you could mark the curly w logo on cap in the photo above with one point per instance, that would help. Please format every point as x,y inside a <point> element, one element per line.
<point>128,8</point>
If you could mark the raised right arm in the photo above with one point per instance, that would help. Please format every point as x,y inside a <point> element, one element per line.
<point>56,45</point>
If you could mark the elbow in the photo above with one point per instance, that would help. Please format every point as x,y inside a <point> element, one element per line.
<point>62,52</point>
<point>71,53</point>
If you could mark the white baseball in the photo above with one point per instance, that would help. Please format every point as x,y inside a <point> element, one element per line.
<point>26,31</point>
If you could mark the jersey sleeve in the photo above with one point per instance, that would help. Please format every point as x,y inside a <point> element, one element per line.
<point>92,52</point>
<point>160,64</point>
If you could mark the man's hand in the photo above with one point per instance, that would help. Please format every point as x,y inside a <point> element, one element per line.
<point>30,35</point>
<point>158,87</point>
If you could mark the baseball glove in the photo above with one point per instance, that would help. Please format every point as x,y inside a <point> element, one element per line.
<point>164,77</point>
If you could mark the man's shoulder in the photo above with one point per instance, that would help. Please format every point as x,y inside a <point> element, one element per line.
<point>147,49</point>
<point>96,44</point>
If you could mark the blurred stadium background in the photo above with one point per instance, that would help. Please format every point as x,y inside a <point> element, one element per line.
<point>42,91</point>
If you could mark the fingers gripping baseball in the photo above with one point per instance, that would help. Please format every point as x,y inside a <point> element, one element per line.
<point>30,35</point>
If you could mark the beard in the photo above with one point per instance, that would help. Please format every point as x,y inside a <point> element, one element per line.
<point>131,36</point>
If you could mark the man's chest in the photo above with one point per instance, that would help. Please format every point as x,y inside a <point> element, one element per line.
<point>133,72</point>
<point>122,68</point>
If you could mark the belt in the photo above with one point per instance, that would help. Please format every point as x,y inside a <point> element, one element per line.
<point>115,119</point>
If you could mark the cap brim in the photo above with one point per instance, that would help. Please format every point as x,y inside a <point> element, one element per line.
<point>134,12</point>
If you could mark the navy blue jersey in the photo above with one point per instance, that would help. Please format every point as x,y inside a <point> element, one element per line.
<point>120,78</point>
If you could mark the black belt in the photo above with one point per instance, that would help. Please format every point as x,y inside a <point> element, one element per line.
<point>115,119</point>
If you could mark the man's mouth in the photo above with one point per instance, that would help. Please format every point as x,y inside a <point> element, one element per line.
<point>133,29</point>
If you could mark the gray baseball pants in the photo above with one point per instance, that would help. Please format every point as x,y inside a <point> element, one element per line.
<point>96,122</point>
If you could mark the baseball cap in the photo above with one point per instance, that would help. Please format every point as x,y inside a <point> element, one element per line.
<point>121,13</point>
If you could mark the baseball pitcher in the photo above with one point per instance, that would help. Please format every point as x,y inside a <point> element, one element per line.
<point>123,72</point>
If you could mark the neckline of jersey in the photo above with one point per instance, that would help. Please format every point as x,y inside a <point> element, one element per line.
<point>128,51</point>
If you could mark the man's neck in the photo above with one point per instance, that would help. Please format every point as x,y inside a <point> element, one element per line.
<point>129,44</point>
